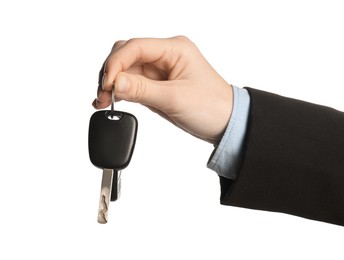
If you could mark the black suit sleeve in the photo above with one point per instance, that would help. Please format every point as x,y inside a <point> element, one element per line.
<point>293,162</point>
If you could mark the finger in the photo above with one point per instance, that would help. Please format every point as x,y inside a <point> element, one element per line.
<point>117,45</point>
<point>136,88</point>
<point>139,89</point>
<point>100,78</point>
<point>148,50</point>
<point>102,72</point>
<point>103,99</point>
<point>101,94</point>
<point>148,71</point>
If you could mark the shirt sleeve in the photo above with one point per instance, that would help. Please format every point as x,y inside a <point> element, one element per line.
<point>227,157</point>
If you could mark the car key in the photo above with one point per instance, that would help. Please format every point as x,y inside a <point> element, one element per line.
<point>111,142</point>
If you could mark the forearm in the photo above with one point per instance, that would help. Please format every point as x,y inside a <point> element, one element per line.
<point>293,160</point>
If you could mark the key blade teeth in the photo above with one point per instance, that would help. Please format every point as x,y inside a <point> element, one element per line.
<point>102,220</point>
<point>103,210</point>
<point>105,195</point>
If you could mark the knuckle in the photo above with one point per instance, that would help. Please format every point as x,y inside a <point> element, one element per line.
<point>184,40</point>
<point>133,41</point>
<point>140,89</point>
<point>184,44</point>
<point>118,44</point>
<point>135,46</point>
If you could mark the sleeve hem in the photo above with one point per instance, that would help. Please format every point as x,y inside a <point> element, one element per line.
<point>226,158</point>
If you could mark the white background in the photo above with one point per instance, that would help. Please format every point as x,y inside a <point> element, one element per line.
<point>50,55</point>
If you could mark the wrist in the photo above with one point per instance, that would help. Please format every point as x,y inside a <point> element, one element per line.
<point>228,155</point>
<point>225,109</point>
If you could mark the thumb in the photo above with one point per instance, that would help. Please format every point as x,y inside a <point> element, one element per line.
<point>139,89</point>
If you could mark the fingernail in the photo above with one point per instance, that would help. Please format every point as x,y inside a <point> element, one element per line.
<point>99,93</point>
<point>122,84</point>
<point>103,80</point>
<point>98,101</point>
<point>94,103</point>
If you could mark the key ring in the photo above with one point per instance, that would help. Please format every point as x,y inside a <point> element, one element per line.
<point>112,99</point>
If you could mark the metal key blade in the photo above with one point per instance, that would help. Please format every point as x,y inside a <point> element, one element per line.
<point>105,195</point>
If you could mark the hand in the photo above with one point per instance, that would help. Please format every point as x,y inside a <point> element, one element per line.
<point>173,79</point>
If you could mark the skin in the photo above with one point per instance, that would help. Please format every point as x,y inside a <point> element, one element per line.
<point>172,78</point>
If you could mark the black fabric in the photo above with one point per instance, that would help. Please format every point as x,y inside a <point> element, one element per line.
<point>225,185</point>
<point>293,162</point>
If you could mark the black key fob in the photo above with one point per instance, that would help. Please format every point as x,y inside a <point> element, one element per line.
<point>111,139</point>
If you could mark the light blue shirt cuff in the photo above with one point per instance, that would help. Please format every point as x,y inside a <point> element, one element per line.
<point>227,158</point>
